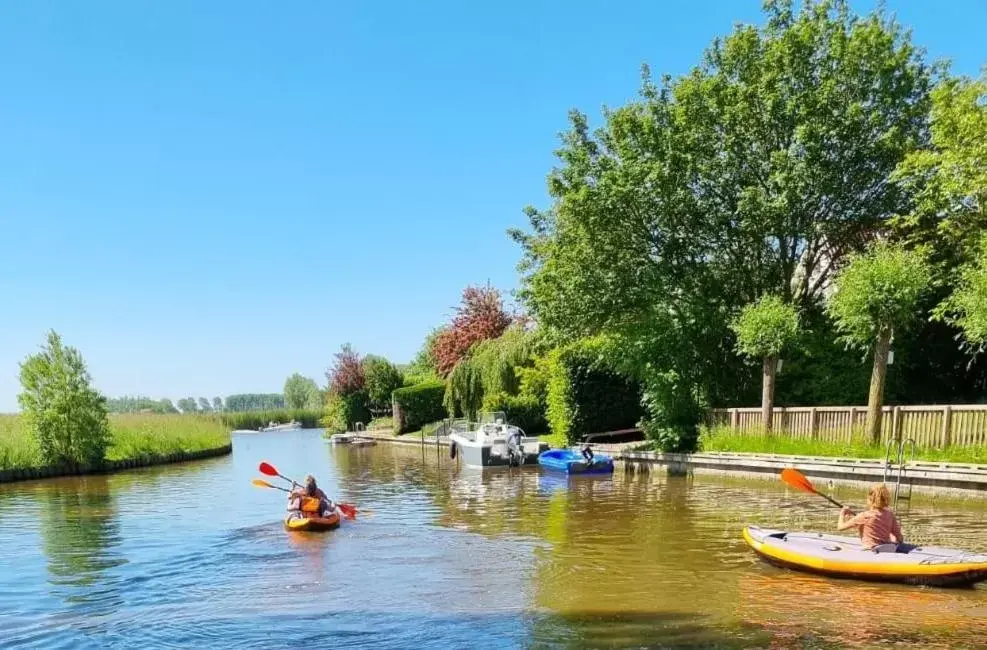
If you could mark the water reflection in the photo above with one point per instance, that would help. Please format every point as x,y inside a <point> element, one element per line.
<point>80,533</point>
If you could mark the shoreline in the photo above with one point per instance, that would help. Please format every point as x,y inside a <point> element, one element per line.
<point>110,466</point>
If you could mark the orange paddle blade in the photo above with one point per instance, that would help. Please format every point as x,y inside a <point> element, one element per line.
<point>268,469</point>
<point>264,484</point>
<point>348,510</point>
<point>797,480</point>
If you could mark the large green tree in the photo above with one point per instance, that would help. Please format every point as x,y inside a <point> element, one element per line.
<point>381,378</point>
<point>65,413</point>
<point>758,172</point>
<point>877,294</point>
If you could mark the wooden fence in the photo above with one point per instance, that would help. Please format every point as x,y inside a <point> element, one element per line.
<point>929,426</point>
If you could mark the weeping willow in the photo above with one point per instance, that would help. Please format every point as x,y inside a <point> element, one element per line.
<point>488,369</point>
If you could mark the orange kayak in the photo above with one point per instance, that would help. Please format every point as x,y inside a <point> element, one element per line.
<point>294,522</point>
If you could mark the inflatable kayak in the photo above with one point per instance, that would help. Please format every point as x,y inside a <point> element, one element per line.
<point>844,557</point>
<point>312,523</point>
<point>571,462</point>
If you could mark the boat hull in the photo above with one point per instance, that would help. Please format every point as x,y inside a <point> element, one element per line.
<point>476,455</point>
<point>843,557</point>
<point>314,524</point>
<point>569,462</point>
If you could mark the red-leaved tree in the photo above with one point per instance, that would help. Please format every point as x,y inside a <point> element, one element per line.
<point>480,316</point>
<point>346,375</point>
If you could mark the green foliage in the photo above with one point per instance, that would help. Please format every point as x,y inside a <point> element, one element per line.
<point>525,412</point>
<point>255,402</point>
<point>490,368</point>
<point>948,179</point>
<point>131,436</point>
<point>754,174</point>
<point>217,404</point>
<point>423,368</point>
<point>766,327</point>
<point>342,412</point>
<point>966,307</point>
<point>204,405</point>
<point>66,415</point>
<point>381,378</point>
<point>302,393</point>
<point>879,290</point>
<point>139,404</point>
<point>188,405</point>
<point>586,395</point>
<point>309,418</point>
<point>417,405</point>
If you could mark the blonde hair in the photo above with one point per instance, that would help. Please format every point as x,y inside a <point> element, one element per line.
<point>878,498</point>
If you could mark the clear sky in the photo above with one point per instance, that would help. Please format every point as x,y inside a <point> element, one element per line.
<point>205,197</point>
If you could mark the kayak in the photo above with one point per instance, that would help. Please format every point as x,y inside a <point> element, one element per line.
<point>294,522</point>
<point>844,557</point>
<point>570,462</point>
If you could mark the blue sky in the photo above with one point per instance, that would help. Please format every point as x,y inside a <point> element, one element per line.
<point>205,197</point>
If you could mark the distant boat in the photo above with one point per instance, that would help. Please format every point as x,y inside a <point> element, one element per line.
<point>282,427</point>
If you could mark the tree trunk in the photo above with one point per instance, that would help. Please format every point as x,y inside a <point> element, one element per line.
<point>875,400</point>
<point>768,392</point>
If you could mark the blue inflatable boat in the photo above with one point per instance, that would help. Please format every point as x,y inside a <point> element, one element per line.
<point>572,462</point>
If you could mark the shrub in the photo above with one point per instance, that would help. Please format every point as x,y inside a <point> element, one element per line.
<point>64,412</point>
<point>309,418</point>
<point>381,378</point>
<point>418,405</point>
<point>585,395</point>
<point>524,412</point>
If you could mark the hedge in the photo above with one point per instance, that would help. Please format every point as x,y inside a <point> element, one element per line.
<point>342,412</point>
<point>524,412</point>
<point>586,396</point>
<point>417,405</point>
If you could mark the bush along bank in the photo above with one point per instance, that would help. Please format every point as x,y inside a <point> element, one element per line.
<point>415,406</point>
<point>309,418</point>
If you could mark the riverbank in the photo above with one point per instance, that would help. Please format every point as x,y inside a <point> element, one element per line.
<point>136,440</point>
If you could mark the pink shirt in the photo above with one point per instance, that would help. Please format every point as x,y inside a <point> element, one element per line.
<point>876,527</point>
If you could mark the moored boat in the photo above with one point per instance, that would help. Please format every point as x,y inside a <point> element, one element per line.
<point>571,462</point>
<point>494,443</point>
<point>844,557</point>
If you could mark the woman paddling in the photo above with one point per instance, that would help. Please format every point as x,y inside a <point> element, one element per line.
<point>878,527</point>
<point>310,490</point>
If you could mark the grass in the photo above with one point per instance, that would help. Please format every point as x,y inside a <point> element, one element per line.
<point>132,436</point>
<point>257,419</point>
<point>723,439</point>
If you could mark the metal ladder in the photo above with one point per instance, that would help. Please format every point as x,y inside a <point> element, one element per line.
<point>899,465</point>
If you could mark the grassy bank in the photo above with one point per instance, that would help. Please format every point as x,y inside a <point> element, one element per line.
<point>723,439</point>
<point>257,419</point>
<point>133,436</point>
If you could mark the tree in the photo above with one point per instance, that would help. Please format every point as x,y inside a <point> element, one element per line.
<point>217,404</point>
<point>254,402</point>
<point>346,375</point>
<point>301,392</point>
<point>61,408</point>
<point>966,307</point>
<point>948,179</point>
<point>381,378</point>
<point>165,406</point>
<point>877,294</point>
<point>423,367</point>
<point>764,329</point>
<point>480,316</point>
<point>756,173</point>
<point>204,405</point>
<point>188,405</point>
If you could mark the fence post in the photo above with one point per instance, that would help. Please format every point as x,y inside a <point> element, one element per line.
<point>813,423</point>
<point>783,420</point>
<point>733,420</point>
<point>896,424</point>
<point>947,426</point>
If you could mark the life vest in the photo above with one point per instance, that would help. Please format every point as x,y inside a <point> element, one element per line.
<point>311,505</point>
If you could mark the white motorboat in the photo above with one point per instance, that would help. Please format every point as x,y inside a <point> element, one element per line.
<point>493,443</point>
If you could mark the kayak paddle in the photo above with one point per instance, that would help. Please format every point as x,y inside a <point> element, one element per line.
<point>348,509</point>
<point>797,480</point>
<point>264,484</point>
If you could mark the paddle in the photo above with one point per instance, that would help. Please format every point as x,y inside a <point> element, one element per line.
<point>264,484</point>
<point>348,509</point>
<point>797,480</point>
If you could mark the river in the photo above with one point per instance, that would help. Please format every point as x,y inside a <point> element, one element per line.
<point>192,555</point>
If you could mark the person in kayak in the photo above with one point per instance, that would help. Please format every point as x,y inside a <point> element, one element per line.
<point>310,490</point>
<point>878,527</point>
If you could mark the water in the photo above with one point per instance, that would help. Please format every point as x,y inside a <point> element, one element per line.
<point>194,556</point>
